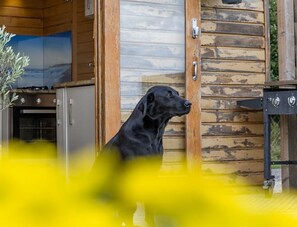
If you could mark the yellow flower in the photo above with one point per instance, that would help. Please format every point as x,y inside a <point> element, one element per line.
<point>34,191</point>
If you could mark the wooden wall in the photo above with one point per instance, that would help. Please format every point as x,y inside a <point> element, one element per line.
<point>233,68</point>
<point>233,64</point>
<point>83,43</point>
<point>46,17</point>
<point>233,61</point>
<point>57,16</point>
<point>36,17</point>
<point>22,17</point>
<point>152,53</point>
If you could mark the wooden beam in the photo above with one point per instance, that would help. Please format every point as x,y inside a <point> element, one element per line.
<point>109,62</point>
<point>286,43</point>
<point>193,93</point>
<point>74,40</point>
<point>267,39</point>
<point>97,72</point>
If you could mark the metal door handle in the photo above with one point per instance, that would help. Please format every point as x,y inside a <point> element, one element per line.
<point>58,112</point>
<point>195,72</point>
<point>43,111</point>
<point>70,111</point>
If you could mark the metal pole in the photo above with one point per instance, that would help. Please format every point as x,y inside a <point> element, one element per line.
<point>267,155</point>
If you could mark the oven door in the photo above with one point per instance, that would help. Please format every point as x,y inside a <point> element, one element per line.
<point>30,124</point>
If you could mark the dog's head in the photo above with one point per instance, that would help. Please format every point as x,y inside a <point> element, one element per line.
<point>163,102</point>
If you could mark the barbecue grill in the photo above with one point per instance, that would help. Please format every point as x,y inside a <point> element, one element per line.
<point>279,98</point>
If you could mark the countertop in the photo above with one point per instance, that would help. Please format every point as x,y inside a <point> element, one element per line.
<point>75,83</point>
<point>29,91</point>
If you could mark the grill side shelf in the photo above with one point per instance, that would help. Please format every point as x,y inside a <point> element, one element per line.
<point>255,104</point>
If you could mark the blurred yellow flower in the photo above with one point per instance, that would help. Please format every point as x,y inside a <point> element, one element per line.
<point>34,191</point>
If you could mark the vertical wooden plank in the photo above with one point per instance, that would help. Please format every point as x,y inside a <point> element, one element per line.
<point>74,40</point>
<point>85,50</point>
<point>193,119</point>
<point>290,172</point>
<point>97,69</point>
<point>286,41</point>
<point>267,39</point>
<point>110,68</point>
<point>295,29</point>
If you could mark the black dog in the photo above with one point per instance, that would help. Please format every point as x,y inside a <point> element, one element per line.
<point>142,133</point>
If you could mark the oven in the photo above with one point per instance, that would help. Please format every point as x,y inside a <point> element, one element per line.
<point>32,117</point>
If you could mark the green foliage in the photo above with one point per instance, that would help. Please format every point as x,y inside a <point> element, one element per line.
<point>273,40</point>
<point>11,68</point>
<point>275,125</point>
<point>275,136</point>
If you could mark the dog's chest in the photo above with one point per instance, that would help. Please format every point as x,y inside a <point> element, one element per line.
<point>154,142</point>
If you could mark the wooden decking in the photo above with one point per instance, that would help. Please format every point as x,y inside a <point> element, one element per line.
<point>280,203</point>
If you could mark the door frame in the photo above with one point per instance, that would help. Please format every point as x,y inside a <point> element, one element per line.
<point>107,69</point>
<point>107,75</point>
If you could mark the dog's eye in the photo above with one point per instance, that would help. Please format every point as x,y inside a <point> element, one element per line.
<point>169,94</point>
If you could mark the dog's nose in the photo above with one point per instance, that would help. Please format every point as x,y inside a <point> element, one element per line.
<point>187,104</point>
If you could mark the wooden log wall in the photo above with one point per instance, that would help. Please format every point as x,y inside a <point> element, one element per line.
<point>57,16</point>
<point>152,53</point>
<point>46,17</point>
<point>22,17</point>
<point>233,62</point>
<point>83,43</point>
<point>36,17</point>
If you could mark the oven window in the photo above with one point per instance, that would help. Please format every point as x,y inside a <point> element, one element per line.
<point>34,124</point>
<point>35,127</point>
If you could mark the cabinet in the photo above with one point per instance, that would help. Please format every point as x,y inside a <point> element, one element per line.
<point>76,126</point>
<point>4,131</point>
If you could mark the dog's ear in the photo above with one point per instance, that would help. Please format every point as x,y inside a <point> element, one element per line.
<point>142,106</point>
<point>150,98</point>
<point>145,102</point>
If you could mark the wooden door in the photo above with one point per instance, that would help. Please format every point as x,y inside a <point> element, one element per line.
<point>140,44</point>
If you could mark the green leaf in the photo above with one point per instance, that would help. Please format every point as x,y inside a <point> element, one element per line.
<point>11,68</point>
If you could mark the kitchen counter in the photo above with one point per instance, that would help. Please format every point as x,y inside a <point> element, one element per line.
<point>75,83</point>
<point>29,91</point>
